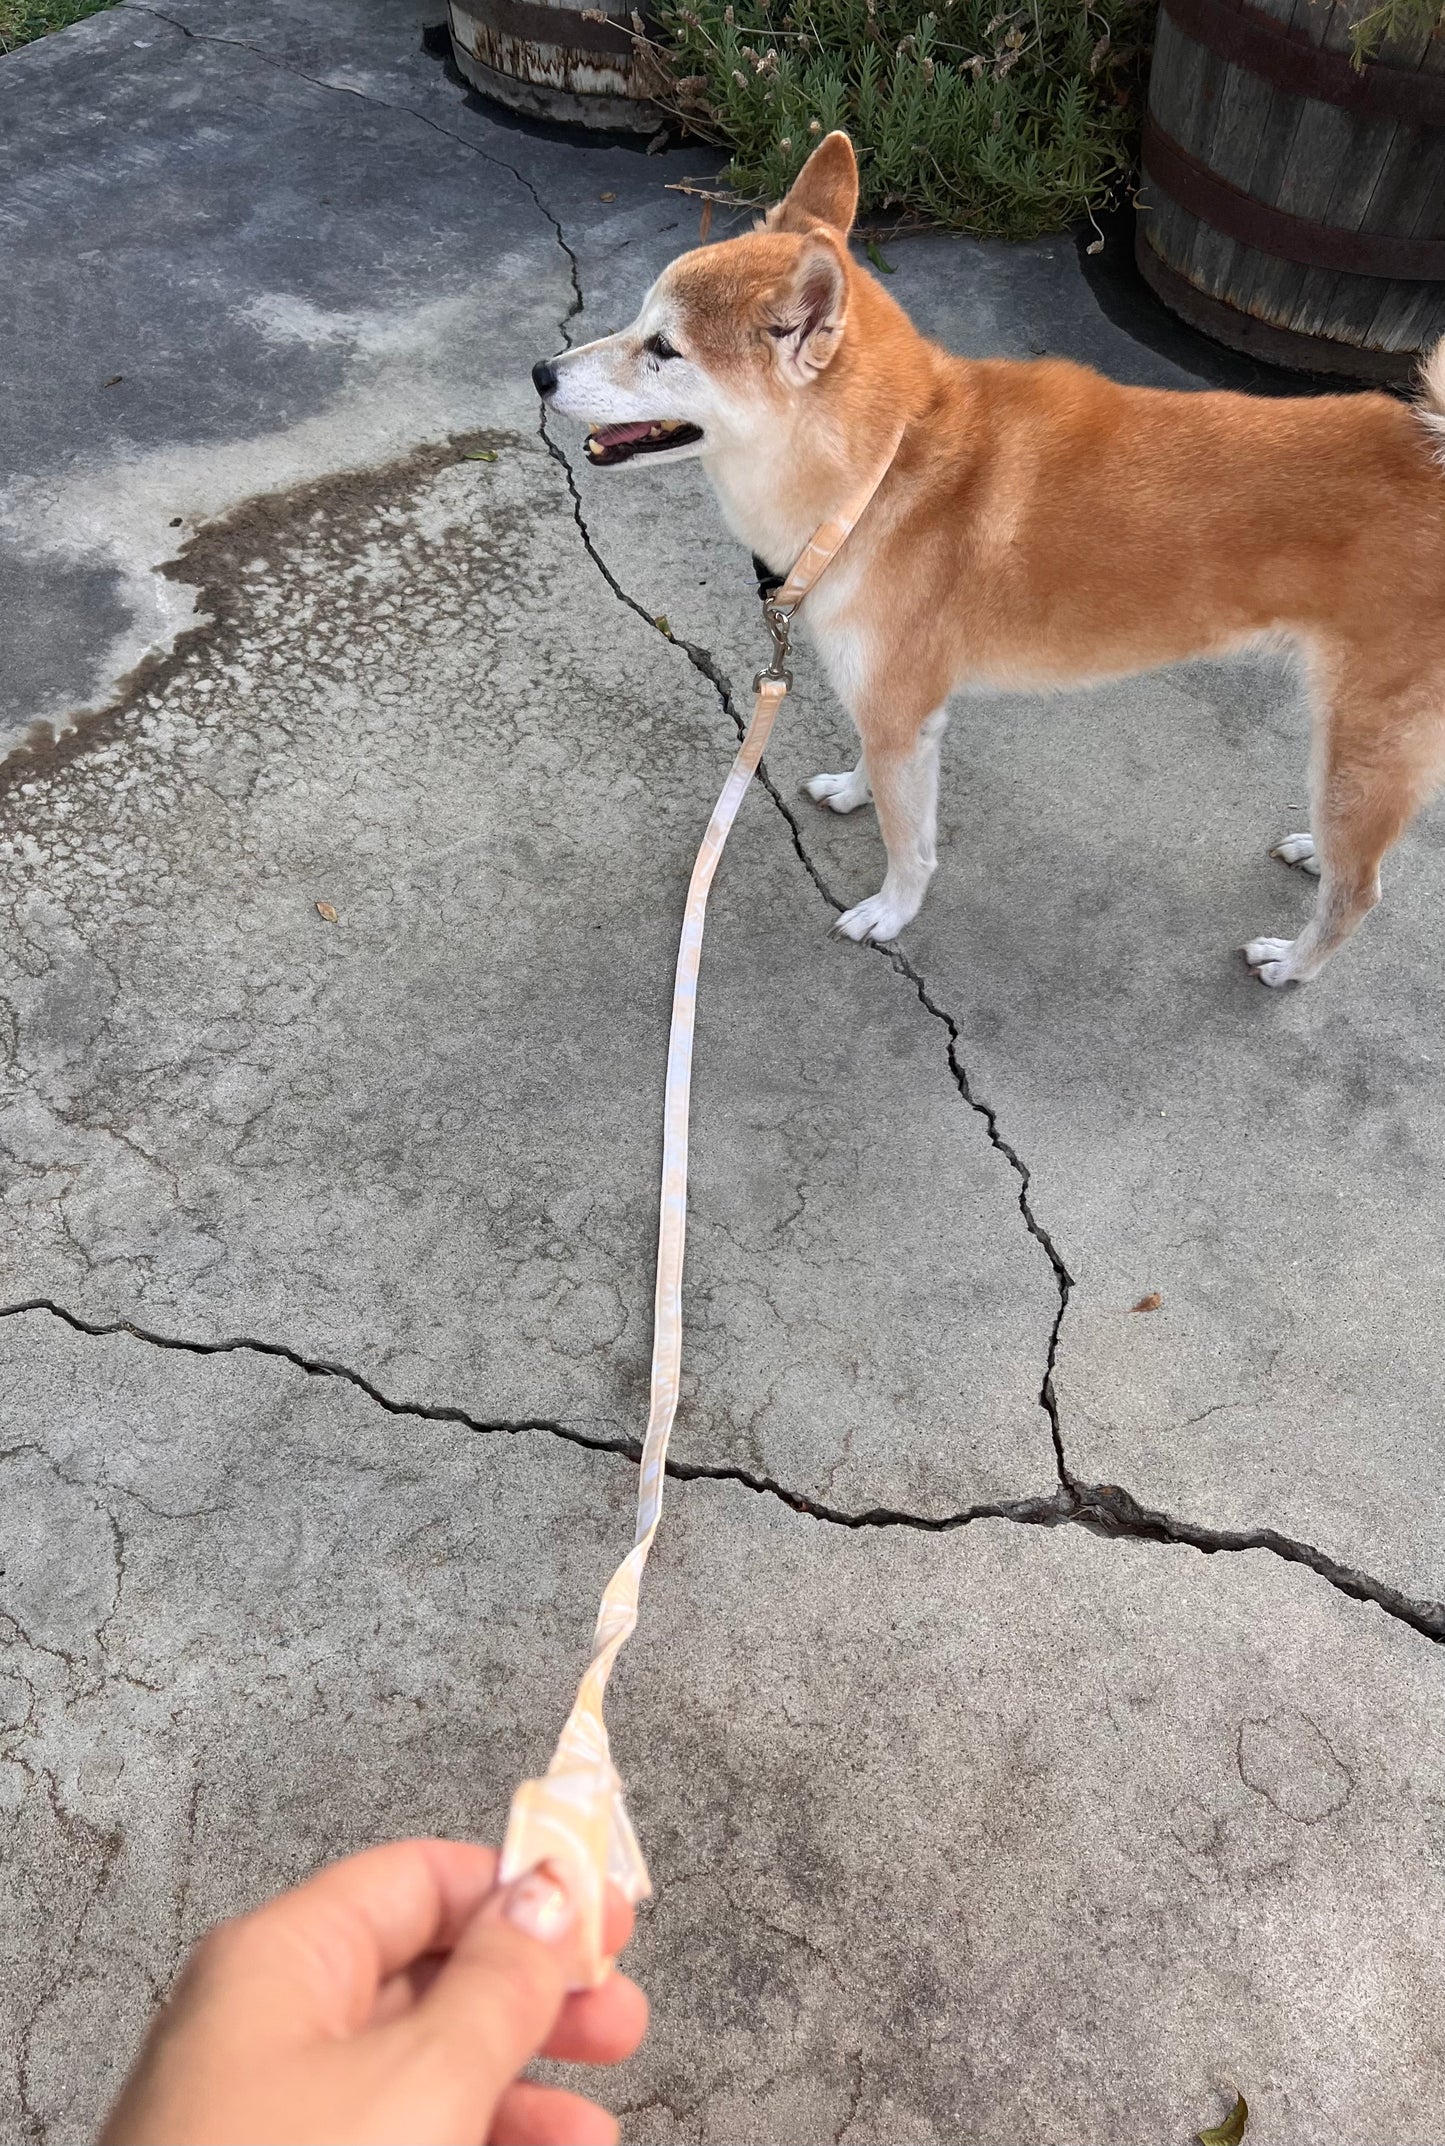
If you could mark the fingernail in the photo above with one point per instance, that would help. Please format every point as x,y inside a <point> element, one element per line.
<point>541,1905</point>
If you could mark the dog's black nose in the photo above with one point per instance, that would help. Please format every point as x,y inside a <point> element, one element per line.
<point>544,376</point>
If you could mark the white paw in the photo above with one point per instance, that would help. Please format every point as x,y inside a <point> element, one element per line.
<point>881,917</point>
<point>1271,960</point>
<point>1300,850</point>
<point>843,792</point>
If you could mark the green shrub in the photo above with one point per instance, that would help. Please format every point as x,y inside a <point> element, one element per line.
<point>1396,21</point>
<point>23,20</point>
<point>1002,120</point>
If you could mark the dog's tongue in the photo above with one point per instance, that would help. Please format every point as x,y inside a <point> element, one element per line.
<point>620,435</point>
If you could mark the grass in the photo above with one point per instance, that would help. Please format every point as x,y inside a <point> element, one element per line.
<point>1002,120</point>
<point>22,21</point>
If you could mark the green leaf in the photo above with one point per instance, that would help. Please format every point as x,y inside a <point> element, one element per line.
<point>871,249</point>
<point>1231,2131</point>
<point>661,623</point>
<point>998,123</point>
<point>479,454</point>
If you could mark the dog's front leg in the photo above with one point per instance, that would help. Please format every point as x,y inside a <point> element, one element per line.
<point>904,781</point>
<point>843,792</point>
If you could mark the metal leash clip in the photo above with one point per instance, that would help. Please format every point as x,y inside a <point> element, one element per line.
<point>779,619</point>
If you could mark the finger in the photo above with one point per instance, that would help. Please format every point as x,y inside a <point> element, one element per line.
<point>549,2116</point>
<point>617,1921</point>
<point>400,1992</point>
<point>313,1960</point>
<point>497,1999</point>
<point>600,2026</point>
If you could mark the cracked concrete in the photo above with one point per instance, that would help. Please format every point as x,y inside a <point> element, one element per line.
<point>298,1216</point>
<point>250,1138</point>
<point>1109,1862</point>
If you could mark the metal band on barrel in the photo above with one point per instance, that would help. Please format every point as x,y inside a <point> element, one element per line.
<point>1285,57</point>
<point>1226,208</point>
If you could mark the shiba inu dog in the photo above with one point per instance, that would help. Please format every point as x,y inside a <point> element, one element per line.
<point>1040,526</point>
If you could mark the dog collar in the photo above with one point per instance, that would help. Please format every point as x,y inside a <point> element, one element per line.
<point>781,594</point>
<point>826,541</point>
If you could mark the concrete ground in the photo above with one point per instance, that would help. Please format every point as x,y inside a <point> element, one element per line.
<point>1035,1721</point>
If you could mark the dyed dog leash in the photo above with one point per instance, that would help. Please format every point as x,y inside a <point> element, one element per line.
<point>575,1814</point>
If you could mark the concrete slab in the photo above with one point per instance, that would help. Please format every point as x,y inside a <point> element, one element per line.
<point>1184,1810</point>
<point>423,1141</point>
<point>1011,1834</point>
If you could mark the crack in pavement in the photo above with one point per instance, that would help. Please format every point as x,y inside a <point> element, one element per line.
<point>628,1449</point>
<point>1102,1508</point>
<point>381,104</point>
<point>703,661</point>
<point>705,664</point>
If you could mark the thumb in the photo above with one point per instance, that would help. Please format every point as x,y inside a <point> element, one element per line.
<point>497,1998</point>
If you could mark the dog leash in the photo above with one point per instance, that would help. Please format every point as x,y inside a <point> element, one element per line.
<point>575,1813</point>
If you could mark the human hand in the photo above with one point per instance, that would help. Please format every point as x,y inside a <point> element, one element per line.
<point>394,1997</point>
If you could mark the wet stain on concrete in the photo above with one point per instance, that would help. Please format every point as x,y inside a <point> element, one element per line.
<point>223,562</point>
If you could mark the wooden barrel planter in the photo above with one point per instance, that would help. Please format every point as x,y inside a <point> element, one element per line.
<point>582,66</point>
<point>1292,204</point>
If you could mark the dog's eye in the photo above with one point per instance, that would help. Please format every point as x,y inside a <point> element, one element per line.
<point>658,346</point>
<point>780,332</point>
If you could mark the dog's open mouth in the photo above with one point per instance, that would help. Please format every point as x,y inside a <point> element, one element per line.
<point>607,444</point>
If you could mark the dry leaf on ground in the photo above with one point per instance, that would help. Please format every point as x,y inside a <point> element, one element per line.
<point>1231,2131</point>
<point>1150,1303</point>
<point>324,909</point>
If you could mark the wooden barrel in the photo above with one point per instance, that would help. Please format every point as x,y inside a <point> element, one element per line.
<point>582,66</point>
<point>1292,204</point>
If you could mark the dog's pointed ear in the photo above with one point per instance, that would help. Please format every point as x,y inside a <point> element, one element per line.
<point>806,317</point>
<point>824,192</point>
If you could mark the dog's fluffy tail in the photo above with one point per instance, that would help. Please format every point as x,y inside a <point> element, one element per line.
<point>1430,396</point>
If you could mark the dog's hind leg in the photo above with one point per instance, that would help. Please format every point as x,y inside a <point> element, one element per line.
<point>905,790</point>
<point>1380,756</point>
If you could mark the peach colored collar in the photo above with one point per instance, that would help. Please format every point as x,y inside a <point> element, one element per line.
<point>822,548</point>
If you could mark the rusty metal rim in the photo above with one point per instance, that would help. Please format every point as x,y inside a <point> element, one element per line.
<point>1237,215</point>
<point>532,24</point>
<point>586,112</point>
<point>1282,55</point>
<point>1262,339</point>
